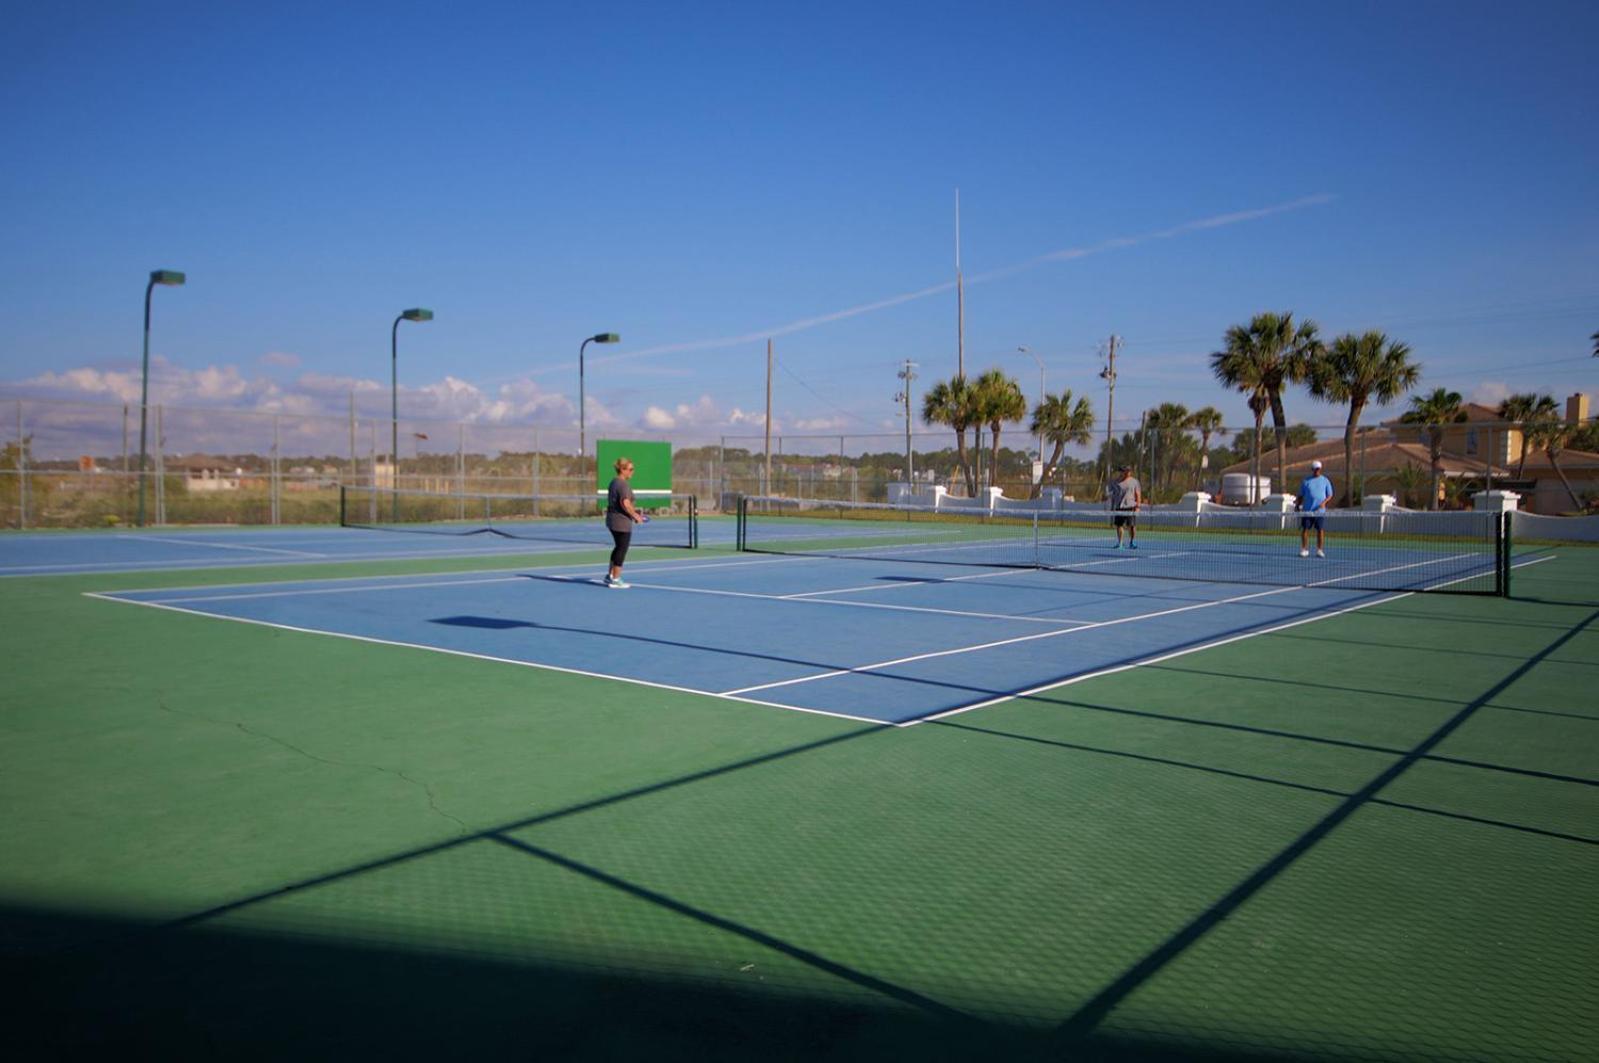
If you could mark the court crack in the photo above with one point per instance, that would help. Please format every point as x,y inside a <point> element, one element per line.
<point>427,790</point>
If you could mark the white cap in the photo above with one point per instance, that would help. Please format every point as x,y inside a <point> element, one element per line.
<point>1315,465</point>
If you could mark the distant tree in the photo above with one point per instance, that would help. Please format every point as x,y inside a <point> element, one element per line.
<point>1236,368</point>
<point>1354,371</point>
<point>1595,338</point>
<point>1301,435</point>
<point>1061,422</point>
<point>999,399</point>
<point>1523,409</point>
<point>1280,353</point>
<point>1207,421</point>
<point>1166,423</point>
<point>953,403</point>
<point>1434,413</point>
<point>1553,435</point>
<point>1408,479</point>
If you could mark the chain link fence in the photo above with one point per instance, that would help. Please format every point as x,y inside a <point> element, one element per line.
<point>69,464</point>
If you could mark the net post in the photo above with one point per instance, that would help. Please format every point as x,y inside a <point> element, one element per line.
<point>343,506</point>
<point>693,522</point>
<point>1506,521</point>
<point>742,510</point>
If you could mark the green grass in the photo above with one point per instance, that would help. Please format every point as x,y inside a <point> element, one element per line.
<point>1369,837</point>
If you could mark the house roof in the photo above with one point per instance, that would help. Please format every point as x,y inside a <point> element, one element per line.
<point>1379,455</point>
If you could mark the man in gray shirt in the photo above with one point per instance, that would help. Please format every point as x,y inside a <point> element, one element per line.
<point>1125,497</point>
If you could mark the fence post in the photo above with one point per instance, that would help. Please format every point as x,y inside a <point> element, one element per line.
<point>160,466</point>
<point>460,470</point>
<point>275,474</point>
<point>125,455</point>
<point>372,457</point>
<point>353,466</point>
<point>22,471</point>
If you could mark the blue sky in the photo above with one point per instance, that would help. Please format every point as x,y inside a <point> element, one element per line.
<point>697,177</point>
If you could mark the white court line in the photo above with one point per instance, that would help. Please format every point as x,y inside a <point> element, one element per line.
<point>1012,641</point>
<point>903,583</point>
<point>215,546</point>
<point>487,657</point>
<point>658,566</point>
<point>464,582</point>
<point>802,600</point>
<point>1070,631</point>
<point>1057,684</point>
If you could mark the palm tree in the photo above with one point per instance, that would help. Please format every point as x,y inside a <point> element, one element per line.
<point>1207,421</point>
<point>1355,370</point>
<point>1280,353</point>
<point>999,399</point>
<point>1061,422</point>
<point>1434,413</point>
<point>1552,435</point>
<point>1239,371</point>
<point>952,402</point>
<point>1407,478</point>
<point>1523,410</point>
<point>1168,421</point>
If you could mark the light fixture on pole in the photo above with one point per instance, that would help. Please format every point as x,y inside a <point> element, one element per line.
<point>908,375</point>
<point>414,314</point>
<point>582,411</point>
<point>170,278</point>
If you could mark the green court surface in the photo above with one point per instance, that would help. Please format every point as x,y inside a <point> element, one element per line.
<point>1374,836</point>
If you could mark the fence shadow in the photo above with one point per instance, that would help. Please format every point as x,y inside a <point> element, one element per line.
<point>207,993</point>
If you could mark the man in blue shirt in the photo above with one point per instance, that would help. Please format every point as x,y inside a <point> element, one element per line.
<point>1314,493</point>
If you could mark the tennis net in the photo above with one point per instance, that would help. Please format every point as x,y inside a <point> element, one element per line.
<point>673,518</point>
<point>1464,552</point>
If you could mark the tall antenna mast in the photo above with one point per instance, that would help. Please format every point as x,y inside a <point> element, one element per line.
<point>960,297</point>
<point>908,374</point>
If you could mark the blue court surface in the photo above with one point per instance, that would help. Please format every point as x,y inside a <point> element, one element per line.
<point>161,549</point>
<point>889,642</point>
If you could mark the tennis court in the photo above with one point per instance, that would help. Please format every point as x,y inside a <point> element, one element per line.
<point>333,790</point>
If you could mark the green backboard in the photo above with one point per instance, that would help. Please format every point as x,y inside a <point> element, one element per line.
<point>652,470</point>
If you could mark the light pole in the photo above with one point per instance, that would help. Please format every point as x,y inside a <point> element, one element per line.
<point>582,411</point>
<point>170,278</point>
<point>1042,394</point>
<point>414,314</point>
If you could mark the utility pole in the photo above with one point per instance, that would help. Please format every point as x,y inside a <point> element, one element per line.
<point>960,297</point>
<point>907,374</point>
<point>767,487</point>
<point>1108,375</point>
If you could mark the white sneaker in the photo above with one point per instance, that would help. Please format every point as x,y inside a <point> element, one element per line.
<point>1320,552</point>
<point>1304,553</point>
<point>616,584</point>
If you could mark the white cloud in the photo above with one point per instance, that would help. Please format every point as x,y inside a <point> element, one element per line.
<point>1490,392</point>
<point>281,359</point>
<point>659,419</point>
<point>822,424</point>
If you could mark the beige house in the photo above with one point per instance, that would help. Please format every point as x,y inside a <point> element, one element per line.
<point>1480,451</point>
<point>202,474</point>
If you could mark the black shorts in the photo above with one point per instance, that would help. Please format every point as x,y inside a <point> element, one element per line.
<point>1312,521</point>
<point>1127,520</point>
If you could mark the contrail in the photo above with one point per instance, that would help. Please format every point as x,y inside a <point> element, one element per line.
<point>1067,254</point>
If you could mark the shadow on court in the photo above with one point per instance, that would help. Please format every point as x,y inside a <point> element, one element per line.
<point>90,987</point>
<point>204,994</point>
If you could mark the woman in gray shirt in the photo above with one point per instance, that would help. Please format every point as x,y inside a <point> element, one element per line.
<point>620,516</point>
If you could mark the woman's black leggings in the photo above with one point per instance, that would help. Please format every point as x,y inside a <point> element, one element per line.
<point>619,554</point>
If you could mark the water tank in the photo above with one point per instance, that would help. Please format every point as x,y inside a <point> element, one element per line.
<point>1235,488</point>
